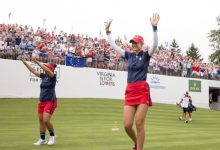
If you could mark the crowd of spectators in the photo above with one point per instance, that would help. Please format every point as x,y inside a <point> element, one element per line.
<point>17,40</point>
<point>164,62</point>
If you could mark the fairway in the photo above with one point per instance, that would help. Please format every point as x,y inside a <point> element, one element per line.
<point>86,124</point>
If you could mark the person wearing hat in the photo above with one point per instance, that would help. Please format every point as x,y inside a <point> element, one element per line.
<point>47,101</point>
<point>137,93</point>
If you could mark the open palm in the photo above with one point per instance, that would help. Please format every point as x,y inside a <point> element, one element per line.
<point>155,19</point>
<point>108,24</point>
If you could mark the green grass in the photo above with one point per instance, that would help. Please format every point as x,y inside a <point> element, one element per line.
<point>85,124</point>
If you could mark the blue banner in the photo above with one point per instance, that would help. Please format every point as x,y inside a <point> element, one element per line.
<point>74,61</point>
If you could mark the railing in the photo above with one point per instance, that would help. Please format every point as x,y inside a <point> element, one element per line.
<point>107,64</point>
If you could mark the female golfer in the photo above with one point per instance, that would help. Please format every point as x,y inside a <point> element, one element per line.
<point>137,94</point>
<point>48,100</point>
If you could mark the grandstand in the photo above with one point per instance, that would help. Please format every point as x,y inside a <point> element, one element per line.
<point>79,51</point>
<point>84,51</point>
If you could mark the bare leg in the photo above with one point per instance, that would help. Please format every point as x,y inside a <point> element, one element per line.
<point>187,117</point>
<point>42,125</point>
<point>47,122</point>
<point>140,120</point>
<point>183,116</point>
<point>129,112</point>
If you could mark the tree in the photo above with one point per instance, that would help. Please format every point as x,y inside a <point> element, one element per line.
<point>214,39</point>
<point>161,47</point>
<point>193,52</point>
<point>174,46</point>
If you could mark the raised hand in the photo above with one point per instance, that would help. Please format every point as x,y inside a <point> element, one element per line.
<point>33,59</point>
<point>155,19</point>
<point>23,57</point>
<point>107,25</point>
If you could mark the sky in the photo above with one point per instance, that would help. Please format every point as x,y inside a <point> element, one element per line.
<point>187,21</point>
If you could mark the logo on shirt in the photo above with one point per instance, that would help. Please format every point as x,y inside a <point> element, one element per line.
<point>139,58</point>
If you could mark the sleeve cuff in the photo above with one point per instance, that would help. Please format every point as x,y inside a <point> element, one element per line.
<point>154,28</point>
<point>108,32</point>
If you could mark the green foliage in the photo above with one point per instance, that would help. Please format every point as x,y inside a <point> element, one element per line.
<point>193,52</point>
<point>214,39</point>
<point>175,47</point>
<point>161,47</point>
